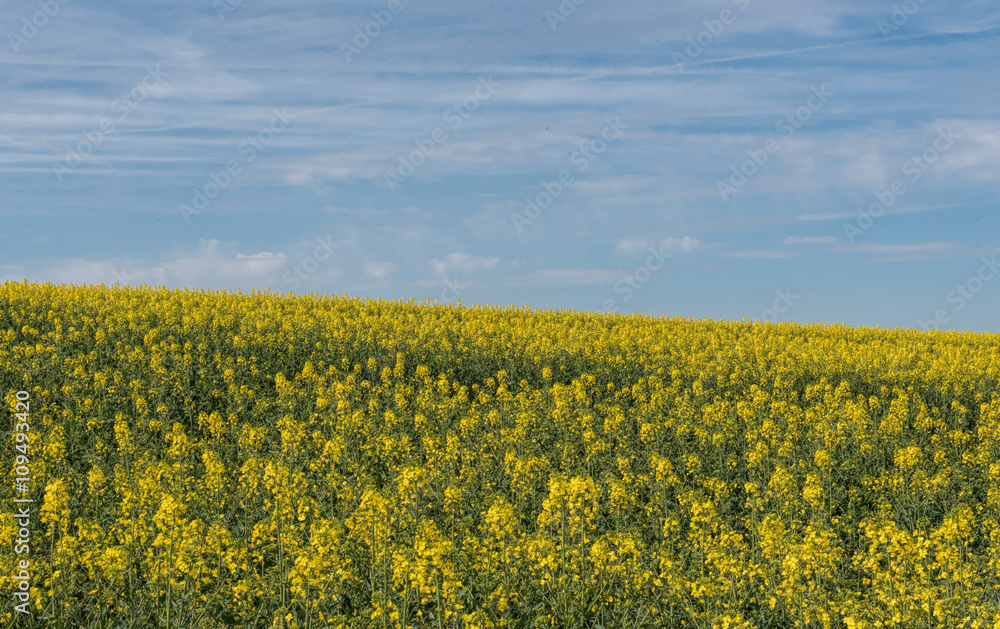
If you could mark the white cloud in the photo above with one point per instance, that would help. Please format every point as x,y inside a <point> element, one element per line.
<point>976,152</point>
<point>925,247</point>
<point>811,240</point>
<point>572,276</point>
<point>259,256</point>
<point>344,166</point>
<point>763,254</point>
<point>379,269</point>
<point>463,263</point>
<point>637,245</point>
<point>833,216</point>
<point>913,252</point>
<point>214,264</point>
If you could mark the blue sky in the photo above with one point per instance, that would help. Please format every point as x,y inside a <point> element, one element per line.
<point>818,162</point>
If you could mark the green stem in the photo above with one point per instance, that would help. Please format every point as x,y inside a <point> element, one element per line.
<point>440,610</point>
<point>170,576</point>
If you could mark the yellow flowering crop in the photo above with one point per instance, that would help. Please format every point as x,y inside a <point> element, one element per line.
<point>203,459</point>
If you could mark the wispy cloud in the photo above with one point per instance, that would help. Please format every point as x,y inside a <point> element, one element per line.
<point>837,216</point>
<point>379,269</point>
<point>463,263</point>
<point>570,276</point>
<point>213,264</point>
<point>763,254</point>
<point>654,187</point>
<point>810,240</point>
<point>638,245</point>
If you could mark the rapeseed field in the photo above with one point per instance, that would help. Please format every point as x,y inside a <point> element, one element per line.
<point>207,459</point>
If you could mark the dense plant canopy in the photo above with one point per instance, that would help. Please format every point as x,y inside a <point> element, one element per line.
<point>203,459</point>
